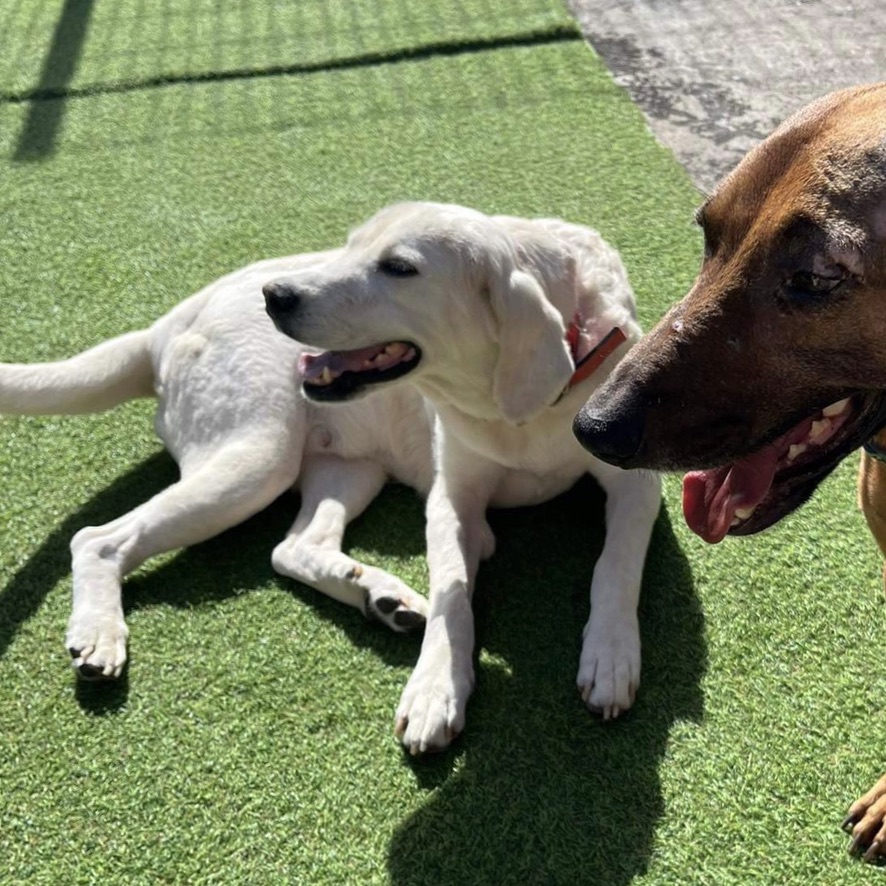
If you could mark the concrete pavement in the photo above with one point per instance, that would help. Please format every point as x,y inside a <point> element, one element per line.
<point>715,77</point>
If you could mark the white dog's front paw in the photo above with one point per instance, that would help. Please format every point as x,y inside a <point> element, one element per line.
<point>431,712</point>
<point>609,669</point>
<point>393,603</point>
<point>97,645</point>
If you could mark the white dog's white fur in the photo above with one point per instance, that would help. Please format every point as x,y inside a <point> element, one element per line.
<point>485,303</point>
<point>488,309</point>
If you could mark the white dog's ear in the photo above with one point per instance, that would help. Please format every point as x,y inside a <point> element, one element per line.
<point>534,363</point>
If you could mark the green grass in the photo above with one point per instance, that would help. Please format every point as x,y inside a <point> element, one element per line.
<point>250,741</point>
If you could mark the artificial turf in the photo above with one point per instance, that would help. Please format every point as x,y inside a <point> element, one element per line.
<point>250,740</point>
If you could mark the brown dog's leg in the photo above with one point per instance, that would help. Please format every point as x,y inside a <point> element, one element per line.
<point>866,819</point>
<point>866,822</point>
<point>872,491</point>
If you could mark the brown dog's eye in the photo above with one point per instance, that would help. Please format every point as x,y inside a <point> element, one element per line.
<point>397,267</point>
<point>806,287</point>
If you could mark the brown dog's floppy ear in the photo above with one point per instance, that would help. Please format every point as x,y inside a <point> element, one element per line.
<point>534,363</point>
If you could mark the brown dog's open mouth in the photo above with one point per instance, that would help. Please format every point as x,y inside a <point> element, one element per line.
<point>340,375</point>
<point>756,491</point>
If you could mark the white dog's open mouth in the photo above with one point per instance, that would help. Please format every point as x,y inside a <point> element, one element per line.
<point>340,375</point>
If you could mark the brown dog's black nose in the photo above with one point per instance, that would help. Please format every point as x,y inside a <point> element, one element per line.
<point>280,299</point>
<point>612,435</point>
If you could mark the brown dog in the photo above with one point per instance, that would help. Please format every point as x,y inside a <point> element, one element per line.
<point>773,368</point>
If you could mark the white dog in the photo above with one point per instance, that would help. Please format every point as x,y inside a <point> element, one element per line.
<point>487,316</point>
<point>499,323</point>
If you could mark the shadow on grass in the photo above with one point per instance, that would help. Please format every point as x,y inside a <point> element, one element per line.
<point>239,560</point>
<point>43,123</point>
<point>51,562</point>
<point>233,562</point>
<point>537,790</point>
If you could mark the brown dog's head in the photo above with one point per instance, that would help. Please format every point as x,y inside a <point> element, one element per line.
<point>773,368</point>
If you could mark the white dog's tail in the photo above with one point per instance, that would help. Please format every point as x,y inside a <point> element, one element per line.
<point>110,373</point>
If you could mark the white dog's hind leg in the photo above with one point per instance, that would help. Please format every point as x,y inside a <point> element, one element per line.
<point>214,494</point>
<point>609,668</point>
<point>333,493</point>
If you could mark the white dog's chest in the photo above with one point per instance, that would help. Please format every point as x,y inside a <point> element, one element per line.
<point>542,458</point>
<point>392,427</point>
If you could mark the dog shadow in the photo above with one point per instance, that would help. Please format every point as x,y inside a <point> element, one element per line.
<point>239,560</point>
<point>537,790</point>
<point>51,562</point>
<point>531,757</point>
<point>231,563</point>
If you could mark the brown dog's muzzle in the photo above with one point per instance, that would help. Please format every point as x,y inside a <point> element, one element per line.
<point>612,427</point>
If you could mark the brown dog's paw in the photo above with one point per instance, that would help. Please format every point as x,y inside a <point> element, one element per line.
<point>866,821</point>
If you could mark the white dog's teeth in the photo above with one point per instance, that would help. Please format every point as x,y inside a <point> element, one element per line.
<point>796,450</point>
<point>819,429</point>
<point>410,354</point>
<point>835,408</point>
<point>742,514</point>
<point>395,349</point>
<point>326,376</point>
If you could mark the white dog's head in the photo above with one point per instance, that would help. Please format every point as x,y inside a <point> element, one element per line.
<point>470,308</point>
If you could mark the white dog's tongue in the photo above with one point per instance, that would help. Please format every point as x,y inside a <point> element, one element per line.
<point>711,498</point>
<point>312,366</point>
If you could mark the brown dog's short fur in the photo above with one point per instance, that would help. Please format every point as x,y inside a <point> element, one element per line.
<point>773,367</point>
<point>872,493</point>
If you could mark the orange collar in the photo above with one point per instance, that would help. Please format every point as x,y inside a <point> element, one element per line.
<point>591,361</point>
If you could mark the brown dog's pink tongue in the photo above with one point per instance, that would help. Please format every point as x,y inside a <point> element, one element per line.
<point>711,498</point>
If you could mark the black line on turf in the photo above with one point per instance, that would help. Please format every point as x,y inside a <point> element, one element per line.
<point>559,34</point>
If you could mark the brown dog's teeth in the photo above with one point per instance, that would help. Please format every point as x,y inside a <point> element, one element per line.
<point>819,429</point>
<point>835,408</point>
<point>796,450</point>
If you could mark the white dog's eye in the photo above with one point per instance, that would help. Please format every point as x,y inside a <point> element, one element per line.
<point>397,267</point>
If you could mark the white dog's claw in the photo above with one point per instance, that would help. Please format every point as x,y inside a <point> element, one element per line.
<point>419,748</point>
<point>609,669</point>
<point>91,672</point>
<point>97,648</point>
